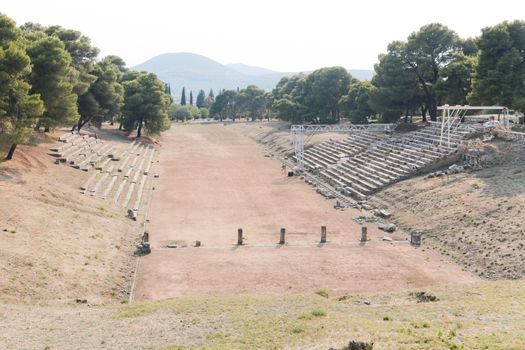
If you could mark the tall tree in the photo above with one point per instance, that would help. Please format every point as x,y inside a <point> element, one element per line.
<point>183,97</point>
<point>107,92</point>
<point>201,96</point>
<point>396,89</point>
<point>146,104</point>
<point>323,90</point>
<point>83,56</point>
<point>455,81</point>
<point>500,74</point>
<point>252,102</point>
<point>226,105</point>
<point>52,77</point>
<point>356,102</point>
<point>287,99</point>
<point>426,53</point>
<point>19,108</point>
<point>191,98</point>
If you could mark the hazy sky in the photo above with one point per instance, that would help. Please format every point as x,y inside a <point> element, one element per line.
<point>276,34</point>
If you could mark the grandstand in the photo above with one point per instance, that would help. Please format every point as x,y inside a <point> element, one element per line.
<point>118,173</point>
<point>367,161</point>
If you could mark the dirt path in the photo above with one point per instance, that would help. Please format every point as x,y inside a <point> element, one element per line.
<point>215,180</point>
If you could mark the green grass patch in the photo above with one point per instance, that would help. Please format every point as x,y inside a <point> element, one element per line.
<point>318,313</point>
<point>298,329</point>
<point>322,292</point>
<point>486,315</point>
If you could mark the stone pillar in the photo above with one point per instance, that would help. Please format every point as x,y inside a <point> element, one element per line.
<point>281,236</point>
<point>364,234</point>
<point>239,236</point>
<point>323,234</point>
<point>415,238</point>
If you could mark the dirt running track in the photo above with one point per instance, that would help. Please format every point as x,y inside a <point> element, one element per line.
<point>215,180</point>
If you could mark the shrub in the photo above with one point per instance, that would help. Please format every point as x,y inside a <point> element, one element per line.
<point>322,292</point>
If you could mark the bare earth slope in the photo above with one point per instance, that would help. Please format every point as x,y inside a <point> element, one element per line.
<point>276,136</point>
<point>55,244</point>
<point>215,180</point>
<point>475,219</point>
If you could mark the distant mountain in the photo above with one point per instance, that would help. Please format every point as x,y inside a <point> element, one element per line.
<point>195,72</point>
<point>250,70</point>
<point>362,74</point>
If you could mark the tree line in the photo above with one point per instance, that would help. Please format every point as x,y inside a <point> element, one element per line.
<point>432,67</point>
<point>52,77</point>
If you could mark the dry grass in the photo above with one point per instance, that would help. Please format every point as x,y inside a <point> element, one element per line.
<point>488,315</point>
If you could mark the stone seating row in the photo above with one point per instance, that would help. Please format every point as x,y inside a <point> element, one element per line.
<point>378,161</point>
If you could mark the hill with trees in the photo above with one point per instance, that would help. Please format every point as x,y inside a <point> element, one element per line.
<point>196,72</point>
<point>432,67</point>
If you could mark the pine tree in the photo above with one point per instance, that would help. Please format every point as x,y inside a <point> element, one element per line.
<point>200,99</point>
<point>191,98</point>
<point>19,108</point>
<point>183,97</point>
<point>211,94</point>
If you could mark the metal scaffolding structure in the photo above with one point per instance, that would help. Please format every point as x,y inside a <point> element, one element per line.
<point>453,116</point>
<point>299,132</point>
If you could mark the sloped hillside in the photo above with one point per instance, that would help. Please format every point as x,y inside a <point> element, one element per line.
<point>474,218</point>
<point>57,245</point>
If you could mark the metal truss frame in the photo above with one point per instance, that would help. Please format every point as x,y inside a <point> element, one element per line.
<point>452,117</point>
<point>299,132</point>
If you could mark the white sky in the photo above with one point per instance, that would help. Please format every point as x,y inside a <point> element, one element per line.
<point>284,35</point>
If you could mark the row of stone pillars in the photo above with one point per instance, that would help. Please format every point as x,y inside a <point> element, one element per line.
<point>282,235</point>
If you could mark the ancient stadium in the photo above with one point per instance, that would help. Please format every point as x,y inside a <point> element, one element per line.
<point>262,222</point>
